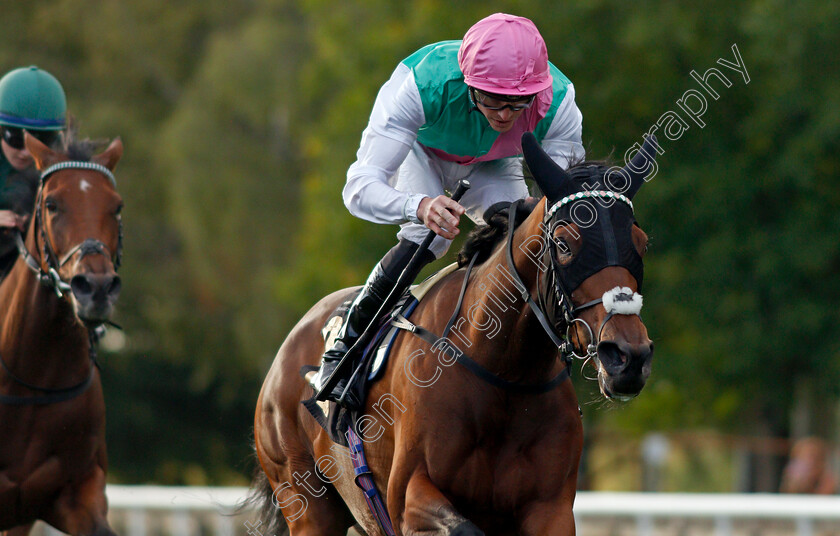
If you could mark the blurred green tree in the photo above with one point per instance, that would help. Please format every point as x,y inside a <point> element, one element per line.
<point>241,118</point>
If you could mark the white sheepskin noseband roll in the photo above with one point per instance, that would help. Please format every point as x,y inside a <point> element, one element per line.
<point>622,301</point>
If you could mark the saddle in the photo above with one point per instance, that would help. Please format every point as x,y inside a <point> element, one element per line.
<point>336,419</point>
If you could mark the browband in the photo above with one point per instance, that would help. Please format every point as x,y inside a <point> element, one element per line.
<point>604,194</point>
<point>75,164</point>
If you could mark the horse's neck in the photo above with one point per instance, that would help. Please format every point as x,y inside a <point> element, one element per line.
<point>506,336</point>
<point>38,331</point>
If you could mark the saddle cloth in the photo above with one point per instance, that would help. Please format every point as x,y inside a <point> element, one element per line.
<point>369,366</point>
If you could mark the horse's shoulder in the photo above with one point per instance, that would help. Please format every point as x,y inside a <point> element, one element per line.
<point>444,292</point>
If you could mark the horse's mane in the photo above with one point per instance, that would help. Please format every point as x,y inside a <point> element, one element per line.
<point>484,238</point>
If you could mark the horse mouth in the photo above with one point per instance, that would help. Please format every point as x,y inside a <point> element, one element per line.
<point>622,373</point>
<point>609,394</point>
<point>93,315</point>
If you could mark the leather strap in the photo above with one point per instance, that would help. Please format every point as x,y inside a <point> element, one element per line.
<point>403,323</point>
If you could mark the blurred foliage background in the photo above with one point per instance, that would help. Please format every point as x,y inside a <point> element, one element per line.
<point>241,118</point>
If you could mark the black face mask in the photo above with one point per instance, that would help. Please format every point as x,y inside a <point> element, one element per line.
<point>604,218</point>
<point>606,237</point>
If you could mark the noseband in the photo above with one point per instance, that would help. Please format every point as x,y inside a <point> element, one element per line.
<point>90,246</point>
<point>615,297</point>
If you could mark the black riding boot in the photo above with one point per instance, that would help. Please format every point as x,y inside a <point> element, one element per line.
<point>7,261</point>
<point>378,286</point>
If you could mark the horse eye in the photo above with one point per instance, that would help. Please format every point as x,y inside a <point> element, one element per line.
<point>118,211</point>
<point>51,205</point>
<point>564,252</point>
<point>562,246</point>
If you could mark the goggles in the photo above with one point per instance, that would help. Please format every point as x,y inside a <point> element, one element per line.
<point>495,102</point>
<point>14,137</point>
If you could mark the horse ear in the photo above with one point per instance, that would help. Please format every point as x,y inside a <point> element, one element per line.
<point>641,165</point>
<point>44,156</point>
<point>111,155</point>
<point>553,180</point>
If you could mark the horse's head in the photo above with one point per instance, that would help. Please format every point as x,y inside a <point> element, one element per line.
<point>77,230</point>
<point>595,276</point>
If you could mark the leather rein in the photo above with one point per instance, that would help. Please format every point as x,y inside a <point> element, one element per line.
<point>490,377</point>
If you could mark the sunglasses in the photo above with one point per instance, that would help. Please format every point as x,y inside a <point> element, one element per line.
<point>14,137</point>
<point>494,102</point>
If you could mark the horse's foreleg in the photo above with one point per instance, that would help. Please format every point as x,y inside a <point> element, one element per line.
<point>81,508</point>
<point>428,512</point>
<point>309,507</point>
<point>553,518</point>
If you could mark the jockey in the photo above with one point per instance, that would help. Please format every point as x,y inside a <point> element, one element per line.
<point>31,99</point>
<point>452,110</point>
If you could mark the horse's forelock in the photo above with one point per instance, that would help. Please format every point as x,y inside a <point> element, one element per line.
<point>83,150</point>
<point>589,174</point>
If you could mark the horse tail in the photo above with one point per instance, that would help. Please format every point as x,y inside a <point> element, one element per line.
<point>270,513</point>
<point>260,500</point>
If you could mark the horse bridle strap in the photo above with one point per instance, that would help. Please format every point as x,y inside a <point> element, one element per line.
<point>558,341</point>
<point>401,322</point>
<point>618,301</point>
<point>50,396</point>
<point>75,164</point>
<point>49,278</point>
<point>89,246</point>
<point>588,194</point>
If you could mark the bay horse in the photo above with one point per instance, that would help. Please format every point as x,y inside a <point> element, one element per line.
<point>491,447</point>
<point>63,286</point>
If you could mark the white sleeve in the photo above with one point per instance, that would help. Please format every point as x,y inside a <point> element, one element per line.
<point>391,131</point>
<point>563,140</point>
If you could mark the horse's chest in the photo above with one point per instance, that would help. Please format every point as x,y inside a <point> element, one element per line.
<point>9,510</point>
<point>505,466</point>
<point>35,436</point>
<point>485,476</point>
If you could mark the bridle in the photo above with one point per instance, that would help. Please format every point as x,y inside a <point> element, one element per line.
<point>48,268</point>
<point>558,294</point>
<point>47,271</point>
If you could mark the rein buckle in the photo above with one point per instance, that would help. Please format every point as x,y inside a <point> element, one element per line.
<point>57,284</point>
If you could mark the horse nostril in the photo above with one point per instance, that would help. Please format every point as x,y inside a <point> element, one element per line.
<point>96,287</point>
<point>613,357</point>
<point>80,285</point>
<point>115,286</point>
<point>645,356</point>
<point>646,352</point>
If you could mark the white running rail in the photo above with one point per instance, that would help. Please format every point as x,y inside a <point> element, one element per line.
<point>724,510</point>
<point>188,511</point>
